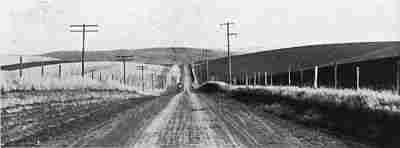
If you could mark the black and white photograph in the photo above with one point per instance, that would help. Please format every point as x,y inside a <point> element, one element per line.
<point>200,73</point>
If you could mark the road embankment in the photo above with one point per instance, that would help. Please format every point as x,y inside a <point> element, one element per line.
<point>370,118</point>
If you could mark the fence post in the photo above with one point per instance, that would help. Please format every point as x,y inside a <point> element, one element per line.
<point>100,76</point>
<point>289,78</point>
<point>358,77</point>
<point>265,78</point>
<point>255,79</point>
<point>398,76</point>
<point>2,90</point>
<point>20,66</point>
<point>271,79</point>
<point>59,71</point>
<point>247,80</point>
<point>42,69</point>
<point>242,78</point>
<point>316,77</point>
<point>335,70</point>
<point>92,75</point>
<point>301,77</point>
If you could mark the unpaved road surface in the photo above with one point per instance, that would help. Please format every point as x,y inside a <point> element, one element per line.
<point>192,119</point>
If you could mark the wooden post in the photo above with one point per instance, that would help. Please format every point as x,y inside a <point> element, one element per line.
<point>335,70</point>
<point>59,71</point>
<point>289,78</point>
<point>42,69</point>
<point>152,81</point>
<point>100,76</point>
<point>92,75</point>
<point>247,80</point>
<point>2,90</point>
<point>398,76</point>
<point>358,77</point>
<point>255,79</point>
<point>271,79</point>
<point>20,66</point>
<point>301,77</point>
<point>316,77</point>
<point>142,77</point>
<point>241,80</point>
<point>265,78</point>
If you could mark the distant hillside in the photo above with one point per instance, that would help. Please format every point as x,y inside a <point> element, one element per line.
<point>158,56</point>
<point>170,55</point>
<point>280,60</point>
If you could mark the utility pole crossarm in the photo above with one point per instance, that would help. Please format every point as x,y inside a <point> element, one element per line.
<point>227,24</point>
<point>85,31</point>
<point>84,25</point>
<point>234,34</point>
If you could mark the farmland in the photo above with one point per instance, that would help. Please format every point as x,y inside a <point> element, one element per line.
<point>99,75</point>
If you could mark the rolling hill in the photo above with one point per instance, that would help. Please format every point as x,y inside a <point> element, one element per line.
<point>304,57</point>
<point>161,56</point>
<point>158,56</point>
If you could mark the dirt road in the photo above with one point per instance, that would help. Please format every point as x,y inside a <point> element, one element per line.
<point>191,119</point>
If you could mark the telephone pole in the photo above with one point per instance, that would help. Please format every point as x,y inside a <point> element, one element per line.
<point>123,59</point>
<point>228,34</point>
<point>84,30</point>
<point>152,81</point>
<point>206,56</point>
<point>20,67</point>
<point>141,67</point>
<point>42,69</point>
<point>204,60</point>
<point>59,71</point>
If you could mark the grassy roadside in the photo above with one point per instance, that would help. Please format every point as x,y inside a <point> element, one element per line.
<point>372,118</point>
<point>30,117</point>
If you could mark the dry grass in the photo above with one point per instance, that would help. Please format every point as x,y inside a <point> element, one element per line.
<point>353,99</point>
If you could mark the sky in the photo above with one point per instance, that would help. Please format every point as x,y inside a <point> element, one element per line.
<point>40,26</point>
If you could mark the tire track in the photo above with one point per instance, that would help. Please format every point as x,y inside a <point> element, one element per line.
<point>186,122</point>
<point>250,129</point>
<point>150,135</point>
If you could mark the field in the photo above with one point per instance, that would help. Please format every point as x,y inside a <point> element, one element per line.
<point>111,76</point>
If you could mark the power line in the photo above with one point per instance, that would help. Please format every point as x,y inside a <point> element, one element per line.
<point>83,26</point>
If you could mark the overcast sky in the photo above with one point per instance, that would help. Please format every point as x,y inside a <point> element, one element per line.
<point>38,26</point>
